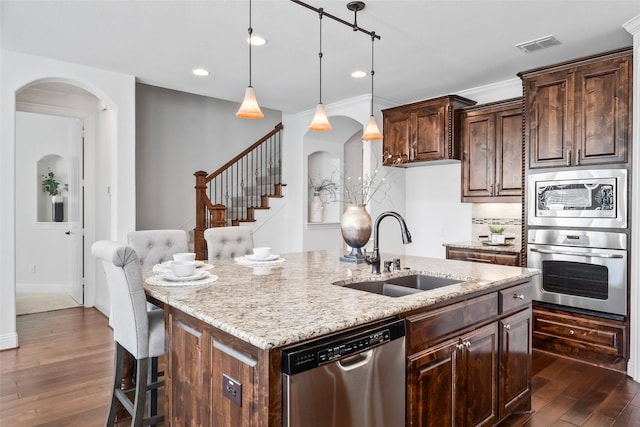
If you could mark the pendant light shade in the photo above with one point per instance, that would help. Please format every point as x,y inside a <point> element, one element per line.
<point>249,109</point>
<point>372,132</point>
<point>320,120</point>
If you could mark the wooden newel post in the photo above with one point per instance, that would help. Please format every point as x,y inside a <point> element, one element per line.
<point>198,232</point>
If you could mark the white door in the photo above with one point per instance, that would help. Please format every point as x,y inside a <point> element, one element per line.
<point>75,217</point>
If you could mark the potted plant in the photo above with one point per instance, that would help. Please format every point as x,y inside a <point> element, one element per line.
<point>320,186</point>
<point>51,185</point>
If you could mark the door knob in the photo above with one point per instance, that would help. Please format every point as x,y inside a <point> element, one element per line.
<point>68,232</point>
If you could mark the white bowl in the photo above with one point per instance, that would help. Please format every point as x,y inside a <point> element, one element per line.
<point>183,268</point>
<point>262,252</point>
<point>184,256</point>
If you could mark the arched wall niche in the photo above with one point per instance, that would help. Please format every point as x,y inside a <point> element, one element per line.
<point>56,164</point>
<point>330,155</point>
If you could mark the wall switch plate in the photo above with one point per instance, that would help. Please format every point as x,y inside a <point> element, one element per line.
<point>232,389</point>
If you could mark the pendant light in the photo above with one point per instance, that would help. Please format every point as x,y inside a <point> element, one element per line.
<point>372,132</point>
<point>249,109</point>
<point>320,120</point>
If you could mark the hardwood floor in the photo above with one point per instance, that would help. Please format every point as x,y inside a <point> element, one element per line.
<point>61,376</point>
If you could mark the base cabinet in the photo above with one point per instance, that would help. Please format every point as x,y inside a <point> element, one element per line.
<point>484,256</point>
<point>515,363</point>
<point>198,359</point>
<point>476,375</point>
<point>596,340</point>
<point>453,384</point>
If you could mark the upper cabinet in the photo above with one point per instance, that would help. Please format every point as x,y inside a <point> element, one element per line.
<point>491,140</point>
<point>578,113</point>
<point>423,131</point>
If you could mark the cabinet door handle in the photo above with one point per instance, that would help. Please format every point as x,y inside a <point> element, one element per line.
<point>460,346</point>
<point>518,296</point>
<point>479,260</point>
<point>497,189</point>
<point>507,327</point>
<point>578,157</point>
<point>572,332</point>
<point>568,156</point>
<point>467,344</point>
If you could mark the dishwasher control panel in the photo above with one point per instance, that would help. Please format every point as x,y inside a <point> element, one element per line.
<point>316,353</point>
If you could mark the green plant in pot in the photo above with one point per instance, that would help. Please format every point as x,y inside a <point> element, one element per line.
<point>496,234</point>
<point>51,185</point>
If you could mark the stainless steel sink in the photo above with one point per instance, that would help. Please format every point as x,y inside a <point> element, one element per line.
<point>403,285</point>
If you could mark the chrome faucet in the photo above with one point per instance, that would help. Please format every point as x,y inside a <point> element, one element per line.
<point>374,259</point>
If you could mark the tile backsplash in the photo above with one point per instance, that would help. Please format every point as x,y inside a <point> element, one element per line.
<point>504,214</point>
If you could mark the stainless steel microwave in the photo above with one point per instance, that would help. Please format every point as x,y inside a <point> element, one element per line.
<point>578,198</point>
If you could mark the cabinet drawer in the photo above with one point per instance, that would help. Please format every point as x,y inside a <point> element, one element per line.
<point>426,329</point>
<point>484,257</point>
<point>583,337</point>
<point>516,297</point>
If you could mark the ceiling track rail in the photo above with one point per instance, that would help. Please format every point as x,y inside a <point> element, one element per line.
<point>354,26</point>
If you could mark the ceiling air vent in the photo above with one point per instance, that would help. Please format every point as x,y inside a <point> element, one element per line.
<point>538,44</point>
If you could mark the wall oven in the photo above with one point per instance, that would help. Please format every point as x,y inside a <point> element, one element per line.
<point>583,269</point>
<point>578,198</point>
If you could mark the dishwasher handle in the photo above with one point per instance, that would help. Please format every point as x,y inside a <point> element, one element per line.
<point>356,361</point>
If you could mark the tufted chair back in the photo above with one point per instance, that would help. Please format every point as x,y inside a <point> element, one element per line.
<point>139,332</point>
<point>157,246</point>
<point>228,242</point>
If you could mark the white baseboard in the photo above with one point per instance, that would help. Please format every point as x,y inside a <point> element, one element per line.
<point>51,288</point>
<point>102,309</point>
<point>8,341</point>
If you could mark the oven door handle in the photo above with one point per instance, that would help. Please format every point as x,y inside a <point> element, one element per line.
<point>582,254</point>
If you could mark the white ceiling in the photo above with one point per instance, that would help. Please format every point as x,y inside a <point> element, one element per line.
<point>428,48</point>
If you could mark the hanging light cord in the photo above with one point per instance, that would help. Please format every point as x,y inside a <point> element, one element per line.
<point>320,13</point>
<point>373,39</point>
<point>250,42</point>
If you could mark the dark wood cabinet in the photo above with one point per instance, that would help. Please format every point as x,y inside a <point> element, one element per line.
<point>578,113</point>
<point>198,356</point>
<point>469,363</point>
<point>422,131</point>
<point>515,362</point>
<point>454,382</point>
<point>484,256</point>
<point>491,141</point>
<point>583,337</point>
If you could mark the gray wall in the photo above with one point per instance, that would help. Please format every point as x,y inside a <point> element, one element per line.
<point>178,134</point>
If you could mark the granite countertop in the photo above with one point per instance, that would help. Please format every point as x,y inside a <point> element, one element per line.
<point>298,299</point>
<point>477,245</point>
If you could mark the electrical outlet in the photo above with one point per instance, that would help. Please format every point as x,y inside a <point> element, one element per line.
<point>232,389</point>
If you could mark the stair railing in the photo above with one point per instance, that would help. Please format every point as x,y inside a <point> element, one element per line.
<point>231,194</point>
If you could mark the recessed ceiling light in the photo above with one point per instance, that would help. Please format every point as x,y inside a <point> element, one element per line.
<point>256,40</point>
<point>200,72</point>
<point>358,74</point>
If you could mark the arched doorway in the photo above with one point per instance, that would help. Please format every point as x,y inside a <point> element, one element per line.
<point>57,128</point>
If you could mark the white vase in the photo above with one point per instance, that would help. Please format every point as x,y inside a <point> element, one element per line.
<point>316,210</point>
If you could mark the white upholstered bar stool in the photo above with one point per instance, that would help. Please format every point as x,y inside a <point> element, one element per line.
<point>228,242</point>
<point>135,329</point>
<point>157,246</point>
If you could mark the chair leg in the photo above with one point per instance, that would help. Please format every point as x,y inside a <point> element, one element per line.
<point>117,380</point>
<point>153,393</point>
<point>141,393</point>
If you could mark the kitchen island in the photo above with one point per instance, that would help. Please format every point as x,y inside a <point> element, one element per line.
<point>238,325</point>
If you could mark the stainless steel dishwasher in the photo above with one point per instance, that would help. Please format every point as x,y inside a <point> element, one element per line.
<point>351,379</point>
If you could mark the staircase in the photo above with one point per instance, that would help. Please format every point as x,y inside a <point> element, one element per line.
<point>232,194</point>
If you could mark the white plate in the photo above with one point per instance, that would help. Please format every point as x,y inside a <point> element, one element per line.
<point>252,257</point>
<point>197,276</point>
